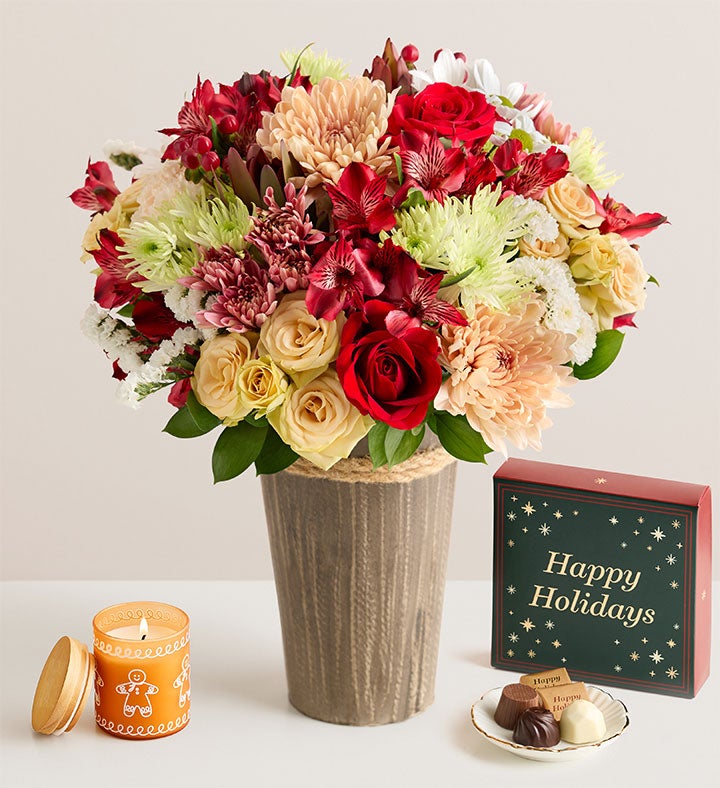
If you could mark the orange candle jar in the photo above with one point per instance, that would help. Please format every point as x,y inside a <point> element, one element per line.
<point>142,677</point>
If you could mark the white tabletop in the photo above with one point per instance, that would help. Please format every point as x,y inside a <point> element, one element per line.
<point>244,732</point>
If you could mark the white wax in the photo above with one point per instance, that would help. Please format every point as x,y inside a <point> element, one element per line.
<point>132,632</point>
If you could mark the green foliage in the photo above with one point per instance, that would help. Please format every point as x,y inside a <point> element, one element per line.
<point>275,454</point>
<point>191,421</point>
<point>236,450</point>
<point>458,437</point>
<point>607,347</point>
<point>389,446</point>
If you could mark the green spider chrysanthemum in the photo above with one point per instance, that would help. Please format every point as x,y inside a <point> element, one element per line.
<point>585,157</point>
<point>216,222</point>
<point>315,65</point>
<point>475,237</point>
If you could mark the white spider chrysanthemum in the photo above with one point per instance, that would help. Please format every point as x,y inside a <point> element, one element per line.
<point>552,280</point>
<point>474,237</point>
<point>585,155</point>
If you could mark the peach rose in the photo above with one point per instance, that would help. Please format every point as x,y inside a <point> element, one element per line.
<point>569,202</point>
<point>216,374</point>
<point>624,294</point>
<point>300,344</point>
<point>262,386</point>
<point>558,249</point>
<point>318,422</point>
<point>117,218</point>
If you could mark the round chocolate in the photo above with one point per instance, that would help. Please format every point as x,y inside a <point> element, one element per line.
<point>514,700</point>
<point>536,727</point>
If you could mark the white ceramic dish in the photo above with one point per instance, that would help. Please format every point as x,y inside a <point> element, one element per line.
<point>614,711</point>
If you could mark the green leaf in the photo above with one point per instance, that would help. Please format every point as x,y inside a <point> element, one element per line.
<point>525,139</point>
<point>653,280</point>
<point>183,425</point>
<point>126,311</point>
<point>376,443</point>
<point>453,280</point>
<point>459,438</point>
<point>202,417</point>
<point>275,454</point>
<point>401,444</point>
<point>398,167</point>
<point>607,346</point>
<point>236,450</point>
<point>414,197</point>
<point>253,421</point>
<point>215,134</point>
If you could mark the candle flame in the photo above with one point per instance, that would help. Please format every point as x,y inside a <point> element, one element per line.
<point>143,628</point>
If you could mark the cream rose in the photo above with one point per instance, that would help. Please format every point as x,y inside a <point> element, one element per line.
<point>569,202</point>
<point>117,218</point>
<point>261,384</point>
<point>624,294</point>
<point>593,260</point>
<point>215,381</point>
<point>300,344</point>
<point>559,249</point>
<point>318,422</point>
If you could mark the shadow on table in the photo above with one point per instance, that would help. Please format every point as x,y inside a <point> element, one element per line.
<point>466,738</point>
<point>260,685</point>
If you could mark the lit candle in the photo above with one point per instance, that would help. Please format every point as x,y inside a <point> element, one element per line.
<point>142,684</point>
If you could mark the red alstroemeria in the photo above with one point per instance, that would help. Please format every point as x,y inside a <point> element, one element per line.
<point>621,220</point>
<point>153,319</point>
<point>529,174</point>
<point>480,171</point>
<point>398,270</point>
<point>114,286</point>
<point>341,279</point>
<point>624,320</point>
<point>99,191</point>
<point>422,305</point>
<point>429,166</point>
<point>359,201</point>
<point>447,110</point>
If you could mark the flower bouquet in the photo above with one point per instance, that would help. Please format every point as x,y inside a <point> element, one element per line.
<point>316,257</point>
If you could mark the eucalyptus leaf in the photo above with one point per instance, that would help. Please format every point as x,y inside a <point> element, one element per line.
<point>607,347</point>
<point>236,450</point>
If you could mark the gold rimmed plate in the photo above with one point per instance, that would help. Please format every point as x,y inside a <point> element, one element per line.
<point>613,710</point>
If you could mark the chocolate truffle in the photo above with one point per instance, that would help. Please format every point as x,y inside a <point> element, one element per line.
<point>536,727</point>
<point>514,700</point>
<point>582,722</point>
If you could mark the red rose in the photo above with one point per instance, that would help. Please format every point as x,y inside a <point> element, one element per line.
<point>391,377</point>
<point>446,110</point>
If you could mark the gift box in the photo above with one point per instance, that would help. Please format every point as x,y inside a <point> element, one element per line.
<point>606,574</point>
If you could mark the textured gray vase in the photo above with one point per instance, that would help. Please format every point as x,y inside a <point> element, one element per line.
<point>360,577</point>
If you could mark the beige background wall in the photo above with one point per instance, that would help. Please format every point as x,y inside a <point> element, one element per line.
<point>93,490</point>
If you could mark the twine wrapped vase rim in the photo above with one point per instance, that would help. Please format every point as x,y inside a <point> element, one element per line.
<point>360,469</point>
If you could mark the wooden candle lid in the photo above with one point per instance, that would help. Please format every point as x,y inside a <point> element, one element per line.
<point>63,687</point>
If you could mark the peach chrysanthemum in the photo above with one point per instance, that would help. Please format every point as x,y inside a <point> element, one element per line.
<point>505,369</point>
<point>336,123</point>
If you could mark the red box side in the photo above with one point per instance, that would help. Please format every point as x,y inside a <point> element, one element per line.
<point>606,482</point>
<point>703,590</point>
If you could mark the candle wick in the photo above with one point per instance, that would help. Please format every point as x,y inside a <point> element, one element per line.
<point>143,637</point>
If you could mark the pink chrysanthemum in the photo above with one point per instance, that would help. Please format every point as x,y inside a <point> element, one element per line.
<point>245,295</point>
<point>283,234</point>
<point>505,371</point>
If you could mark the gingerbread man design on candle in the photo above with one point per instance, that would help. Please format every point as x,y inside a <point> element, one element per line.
<point>137,691</point>
<point>182,682</point>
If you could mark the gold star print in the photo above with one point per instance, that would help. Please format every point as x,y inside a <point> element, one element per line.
<point>679,545</point>
<point>545,503</point>
<point>671,559</point>
<point>644,640</point>
<point>658,534</point>
<point>563,660</point>
<point>637,533</point>
<point>513,497</point>
<point>623,545</point>
<point>674,585</point>
<point>634,656</point>
<point>556,643</point>
<point>656,657</point>
<point>614,520</point>
<point>510,543</point>
<point>531,654</point>
<point>600,480</point>
<point>617,668</point>
<point>549,624</point>
<point>671,643</point>
<point>538,641</point>
<point>671,673</point>
<point>528,509</point>
<point>524,529</point>
<point>511,516</point>
<point>657,568</point>
<point>527,625</point>
<point>617,642</point>
<point>676,523</point>
<point>510,653</point>
<point>575,512</point>
<point>511,612</point>
<point>641,520</point>
<point>677,626</point>
<point>649,547</point>
<point>544,529</point>
<point>514,637</point>
<point>652,673</point>
<point>702,596</point>
<point>557,514</point>
<point>511,589</point>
